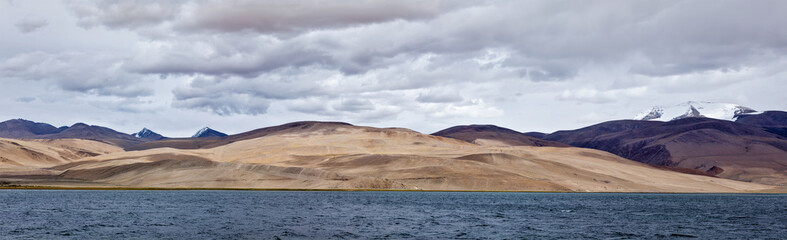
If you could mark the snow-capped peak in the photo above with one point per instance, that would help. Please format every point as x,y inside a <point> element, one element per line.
<point>207,132</point>
<point>147,134</point>
<point>143,133</point>
<point>201,132</point>
<point>723,111</point>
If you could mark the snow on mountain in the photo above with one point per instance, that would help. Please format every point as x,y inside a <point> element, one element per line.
<point>148,134</point>
<point>207,132</point>
<point>201,132</point>
<point>144,132</point>
<point>723,111</point>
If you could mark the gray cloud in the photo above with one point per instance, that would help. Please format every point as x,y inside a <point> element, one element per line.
<point>30,24</point>
<point>354,105</point>
<point>305,15</point>
<point>439,95</point>
<point>548,41</point>
<point>25,99</point>
<point>76,71</point>
<point>124,14</point>
<point>365,109</point>
<point>223,104</point>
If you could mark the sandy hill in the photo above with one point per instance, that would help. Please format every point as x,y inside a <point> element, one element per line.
<point>316,155</point>
<point>718,147</point>
<point>491,135</point>
<point>25,156</point>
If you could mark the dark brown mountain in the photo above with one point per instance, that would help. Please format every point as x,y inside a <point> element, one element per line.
<point>97,133</point>
<point>765,119</point>
<point>772,121</point>
<point>481,133</point>
<point>718,147</point>
<point>536,134</point>
<point>18,128</point>
<point>211,142</point>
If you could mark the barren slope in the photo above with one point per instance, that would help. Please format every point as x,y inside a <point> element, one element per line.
<point>34,156</point>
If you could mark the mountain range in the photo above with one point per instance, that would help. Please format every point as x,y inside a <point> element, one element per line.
<point>20,128</point>
<point>25,129</point>
<point>328,155</point>
<point>752,148</point>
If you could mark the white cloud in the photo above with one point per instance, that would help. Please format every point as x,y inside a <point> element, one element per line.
<point>475,108</point>
<point>418,63</point>
<point>590,95</point>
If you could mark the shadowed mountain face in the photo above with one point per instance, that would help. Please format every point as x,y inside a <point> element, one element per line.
<point>723,148</point>
<point>765,119</point>
<point>772,121</point>
<point>494,135</point>
<point>18,128</point>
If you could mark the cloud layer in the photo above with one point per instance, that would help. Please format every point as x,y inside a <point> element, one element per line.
<point>406,61</point>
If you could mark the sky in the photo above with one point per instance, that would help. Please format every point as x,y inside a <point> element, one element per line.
<point>177,66</point>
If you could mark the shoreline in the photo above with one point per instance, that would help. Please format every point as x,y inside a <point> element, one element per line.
<point>338,190</point>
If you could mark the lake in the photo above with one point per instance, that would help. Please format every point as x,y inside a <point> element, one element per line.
<point>36,214</point>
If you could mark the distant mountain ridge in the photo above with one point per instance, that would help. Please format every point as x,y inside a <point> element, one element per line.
<point>20,128</point>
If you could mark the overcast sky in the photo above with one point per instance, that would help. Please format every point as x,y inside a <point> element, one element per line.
<point>177,66</point>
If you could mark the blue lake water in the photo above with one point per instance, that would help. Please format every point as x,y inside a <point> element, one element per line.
<point>73,214</point>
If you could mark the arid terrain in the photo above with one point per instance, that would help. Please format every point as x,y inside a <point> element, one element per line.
<point>322,155</point>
